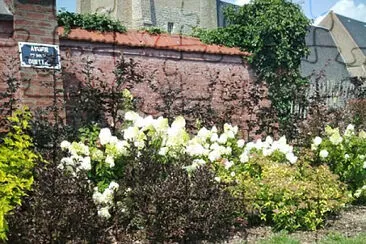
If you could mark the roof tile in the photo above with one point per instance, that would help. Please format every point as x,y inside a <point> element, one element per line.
<point>144,39</point>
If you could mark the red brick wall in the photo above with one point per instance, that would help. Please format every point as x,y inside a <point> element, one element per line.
<point>35,21</point>
<point>224,81</point>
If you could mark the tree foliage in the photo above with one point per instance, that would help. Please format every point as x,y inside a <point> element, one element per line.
<point>274,32</point>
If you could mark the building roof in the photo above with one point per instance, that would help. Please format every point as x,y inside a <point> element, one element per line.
<point>324,56</point>
<point>356,29</point>
<point>5,14</point>
<point>144,39</point>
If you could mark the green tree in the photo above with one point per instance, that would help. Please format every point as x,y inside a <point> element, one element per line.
<point>274,32</point>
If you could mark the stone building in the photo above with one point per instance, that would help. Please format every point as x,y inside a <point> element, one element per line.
<point>173,16</point>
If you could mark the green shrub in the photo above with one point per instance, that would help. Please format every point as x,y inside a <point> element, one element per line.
<point>91,21</point>
<point>290,197</point>
<point>17,160</point>
<point>345,154</point>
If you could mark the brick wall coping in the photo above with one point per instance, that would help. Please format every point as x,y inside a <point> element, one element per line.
<point>144,39</point>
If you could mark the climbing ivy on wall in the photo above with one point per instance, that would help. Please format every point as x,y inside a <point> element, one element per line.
<point>274,32</point>
<point>92,21</point>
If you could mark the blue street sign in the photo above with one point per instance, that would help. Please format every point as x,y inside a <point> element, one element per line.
<point>37,55</point>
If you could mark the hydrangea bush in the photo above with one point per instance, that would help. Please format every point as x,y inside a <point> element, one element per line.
<point>104,159</point>
<point>233,161</point>
<point>346,156</point>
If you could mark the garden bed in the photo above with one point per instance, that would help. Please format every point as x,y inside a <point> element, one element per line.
<point>350,223</point>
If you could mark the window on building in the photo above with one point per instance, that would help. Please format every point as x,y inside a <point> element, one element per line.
<point>170,27</point>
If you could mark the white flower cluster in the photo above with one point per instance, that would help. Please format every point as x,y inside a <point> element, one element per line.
<point>269,147</point>
<point>358,192</point>
<point>78,160</point>
<point>207,146</point>
<point>104,201</point>
<point>172,137</point>
<point>210,146</point>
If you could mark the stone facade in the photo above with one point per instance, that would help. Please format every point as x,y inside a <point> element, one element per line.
<point>175,16</point>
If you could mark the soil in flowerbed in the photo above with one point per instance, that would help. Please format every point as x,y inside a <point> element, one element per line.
<point>351,222</point>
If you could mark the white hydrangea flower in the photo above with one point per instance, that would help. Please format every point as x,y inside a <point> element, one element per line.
<point>214,137</point>
<point>78,148</point>
<point>214,155</point>
<point>85,163</point>
<point>291,157</point>
<point>357,193</point>
<point>362,134</point>
<point>160,124</point>
<point>179,123</point>
<point>107,196</point>
<point>199,162</point>
<point>336,138</point>
<point>269,140</point>
<point>113,186</point>
<point>105,136</point>
<point>364,165</point>
<point>323,153</point>
<point>131,116</point>
<point>110,161</point>
<point>244,157</point>
<point>146,123</point>
<point>203,134</point>
<point>65,145</point>
<point>131,133</point>
<point>230,134</point>
<point>228,164</point>
<point>346,156</point>
<point>267,151</point>
<point>97,155</point>
<point>232,174</point>
<point>223,138</point>
<point>122,147</point>
<point>317,141</point>
<point>218,179</point>
<point>113,140</point>
<point>196,150</point>
<point>163,151</point>
<point>67,161</point>
<point>61,166</point>
<point>104,213</point>
<point>97,197</point>
<point>350,130</point>
<point>241,143</point>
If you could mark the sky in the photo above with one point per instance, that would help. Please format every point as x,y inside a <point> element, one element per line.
<point>313,9</point>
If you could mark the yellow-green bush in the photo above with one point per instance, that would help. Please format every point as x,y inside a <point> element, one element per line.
<point>17,160</point>
<point>290,196</point>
